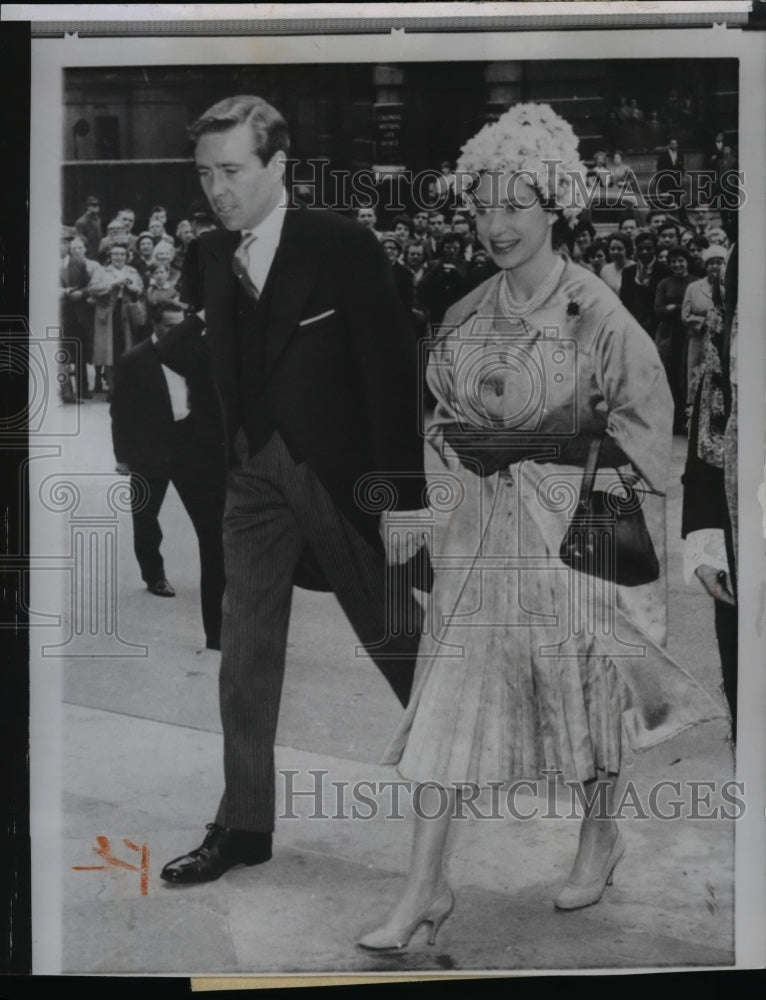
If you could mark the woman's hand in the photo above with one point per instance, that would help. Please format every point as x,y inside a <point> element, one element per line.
<point>715,582</point>
<point>404,533</point>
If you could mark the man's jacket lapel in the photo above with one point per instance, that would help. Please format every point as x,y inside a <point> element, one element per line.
<point>295,269</point>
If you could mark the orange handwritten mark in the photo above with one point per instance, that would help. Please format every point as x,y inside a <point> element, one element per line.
<point>104,850</point>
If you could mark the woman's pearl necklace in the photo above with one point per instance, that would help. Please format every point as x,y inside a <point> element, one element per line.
<point>516,310</point>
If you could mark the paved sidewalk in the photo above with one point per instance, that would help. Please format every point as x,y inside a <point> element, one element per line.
<point>142,765</point>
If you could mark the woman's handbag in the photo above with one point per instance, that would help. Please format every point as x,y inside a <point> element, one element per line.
<point>607,536</point>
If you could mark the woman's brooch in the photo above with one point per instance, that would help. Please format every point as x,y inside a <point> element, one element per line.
<point>574,309</point>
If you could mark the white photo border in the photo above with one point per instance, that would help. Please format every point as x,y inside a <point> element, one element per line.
<point>51,56</point>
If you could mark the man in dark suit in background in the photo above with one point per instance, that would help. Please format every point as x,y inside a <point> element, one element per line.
<point>670,170</point>
<point>165,430</point>
<point>315,365</point>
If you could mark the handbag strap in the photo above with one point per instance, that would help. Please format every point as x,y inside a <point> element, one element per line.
<point>591,467</point>
<point>589,472</point>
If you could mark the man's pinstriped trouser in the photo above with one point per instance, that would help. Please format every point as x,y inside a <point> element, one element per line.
<point>274,507</point>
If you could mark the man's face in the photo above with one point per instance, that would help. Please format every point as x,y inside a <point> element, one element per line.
<point>420,222</point>
<point>657,222</point>
<point>461,226</point>
<point>673,145</point>
<point>128,220</point>
<point>451,251</point>
<point>185,233</point>
<point>629,227</point>
<point>436,224</point>
<point>645,251</point>
<point>366,217</point>
<point>77,250</point>
<point>241,189</point>
<point>666,237</point>
<point>415,256</point>
<point>93,209</point>
<point>167,321</point>
<point>696,252</point>
<point>155,227</point>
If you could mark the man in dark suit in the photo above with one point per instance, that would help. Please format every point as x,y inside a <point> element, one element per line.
<point>315,366</point>
<point>392,248</point>
<point>167,429</point>
<point>670,172</point>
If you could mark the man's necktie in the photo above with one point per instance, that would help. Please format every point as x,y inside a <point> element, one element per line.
<point>239,265</point>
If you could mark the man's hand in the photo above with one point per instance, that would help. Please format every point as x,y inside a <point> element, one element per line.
<point>404,532</point>
<point>122,468</point>
<point>715,582</point>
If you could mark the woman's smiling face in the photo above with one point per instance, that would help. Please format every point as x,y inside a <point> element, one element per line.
<point>510,221</point>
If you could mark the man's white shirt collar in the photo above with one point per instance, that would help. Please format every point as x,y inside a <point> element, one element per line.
<point>267,236</point>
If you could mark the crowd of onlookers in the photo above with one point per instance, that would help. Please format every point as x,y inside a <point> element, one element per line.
<point>664,272</point>
<point>662,265</point>
<point>640,123</point>
<point>109,281</point>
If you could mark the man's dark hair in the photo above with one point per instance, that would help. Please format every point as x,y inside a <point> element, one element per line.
<point>449,236</point>
<point>645,236</point>
<point>270,133</point>
<point>655,212</point>
<point>701,242</point>
<point>161,306</point>
<point>669,225</point>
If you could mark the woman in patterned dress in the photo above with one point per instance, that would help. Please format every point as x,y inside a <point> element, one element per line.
<point>528,668</point>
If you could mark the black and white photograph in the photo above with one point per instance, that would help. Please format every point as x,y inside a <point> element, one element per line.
<point>396,550</point>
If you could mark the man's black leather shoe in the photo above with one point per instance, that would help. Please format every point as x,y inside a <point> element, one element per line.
<point>221,849</point>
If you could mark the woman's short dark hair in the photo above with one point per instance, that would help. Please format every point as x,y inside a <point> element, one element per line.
<point>623,238</point>
<point>679,251</point>
<point>270,132</point>
<point>594,248</point>
<point>584,226</point>
<point>404,220</point>
<point>701,242</point>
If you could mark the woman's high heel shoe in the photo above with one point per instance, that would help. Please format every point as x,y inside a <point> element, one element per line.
<point>396,938</point>
<point>574,897</point>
